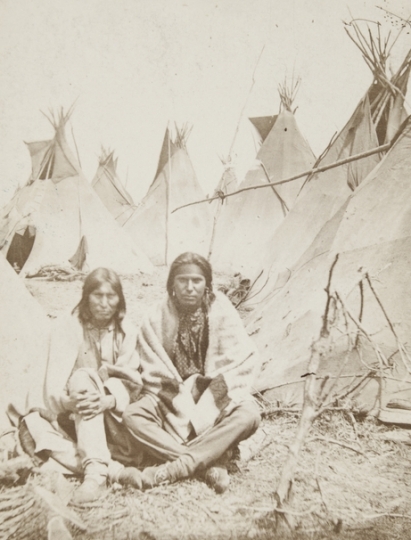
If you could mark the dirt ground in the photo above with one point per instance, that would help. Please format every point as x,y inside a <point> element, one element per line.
<point>351,481</point>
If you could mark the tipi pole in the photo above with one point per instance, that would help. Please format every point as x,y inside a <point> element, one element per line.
<point>245,103</point>
<point>284,206</point>
<point>310,172</point>
<point>126,180</point>
<point>168,187</point>
<point>75,145</point>
<point>49,164</point>
<point>215,219</point>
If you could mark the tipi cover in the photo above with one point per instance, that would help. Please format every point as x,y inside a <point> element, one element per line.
<point>111,191</point>
<point>24,331</point>
<point>371,234</point>
<point>162,234</point>
<point>376,119</point>
<point>62,211</point>
<point>250,218</point>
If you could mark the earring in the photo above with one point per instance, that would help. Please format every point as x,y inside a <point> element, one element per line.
<point>173,293</point>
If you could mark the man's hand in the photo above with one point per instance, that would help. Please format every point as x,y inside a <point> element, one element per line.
<point>89,404</point>
<point>69,402</point>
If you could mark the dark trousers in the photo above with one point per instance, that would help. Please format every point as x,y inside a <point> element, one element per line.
<point>146,423</point>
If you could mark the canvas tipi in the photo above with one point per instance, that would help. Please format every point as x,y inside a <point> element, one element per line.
<point>220,208</point>
<point>250,218</point>
<point>58,219</point>
<point>371,235</point>
<point>24,331</point>
<point>164,234</point>
<point>377,117</point>
<point>111,191</point>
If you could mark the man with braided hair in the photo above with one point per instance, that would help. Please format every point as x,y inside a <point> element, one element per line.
<point>197,364</point>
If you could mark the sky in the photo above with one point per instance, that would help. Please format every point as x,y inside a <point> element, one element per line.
<point>132,67</point>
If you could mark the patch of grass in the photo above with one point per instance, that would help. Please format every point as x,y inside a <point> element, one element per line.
<point>337,492</point>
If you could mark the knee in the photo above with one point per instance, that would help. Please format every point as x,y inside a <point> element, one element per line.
<point>141,415</point>
<point>133,417</point>
<point>80,381</point>
<point>249,415</point>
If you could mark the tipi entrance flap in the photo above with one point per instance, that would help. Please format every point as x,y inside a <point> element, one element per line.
<point>111,191</point>
<point>168,149</point>
<point>78,260</point>
<point>21,246</point>
<point>263,125</point>
<point>40,158</point>
<point>64,164</point>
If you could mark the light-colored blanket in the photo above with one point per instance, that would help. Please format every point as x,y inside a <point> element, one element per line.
<point>230,365</point>
<point>121,379</point>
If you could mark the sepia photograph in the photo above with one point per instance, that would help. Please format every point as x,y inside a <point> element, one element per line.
<point>205,284</point>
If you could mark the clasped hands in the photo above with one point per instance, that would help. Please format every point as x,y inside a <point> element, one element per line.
<point>89,403</point>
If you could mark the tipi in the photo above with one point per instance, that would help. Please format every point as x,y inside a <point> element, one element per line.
<point>58,219</point>
<point>371,235</point>
<point>24,332</point>
<point>164,234</point>
<point>229,179</point>
<point>377,117</point>
<point>110,190</point>
<point>250,218</point>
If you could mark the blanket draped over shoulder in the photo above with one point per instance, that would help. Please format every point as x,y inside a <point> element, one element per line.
<point>229,370</point>
<point>121,379</point>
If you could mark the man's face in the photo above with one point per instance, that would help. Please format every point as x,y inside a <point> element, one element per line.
<point>103,303</point>
<point>189,286</point>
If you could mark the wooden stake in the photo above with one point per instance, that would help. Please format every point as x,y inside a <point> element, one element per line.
<point>311,409</point>
<point>401,347</point>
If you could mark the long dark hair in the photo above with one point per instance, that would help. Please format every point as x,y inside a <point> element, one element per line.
<point>192,258</point>
<point>93,281</point>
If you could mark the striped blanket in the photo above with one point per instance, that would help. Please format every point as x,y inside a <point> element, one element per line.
<point>192,406</point>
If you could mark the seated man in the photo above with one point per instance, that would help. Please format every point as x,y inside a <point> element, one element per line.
<point>92,374</point>
<point>197,364</point>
